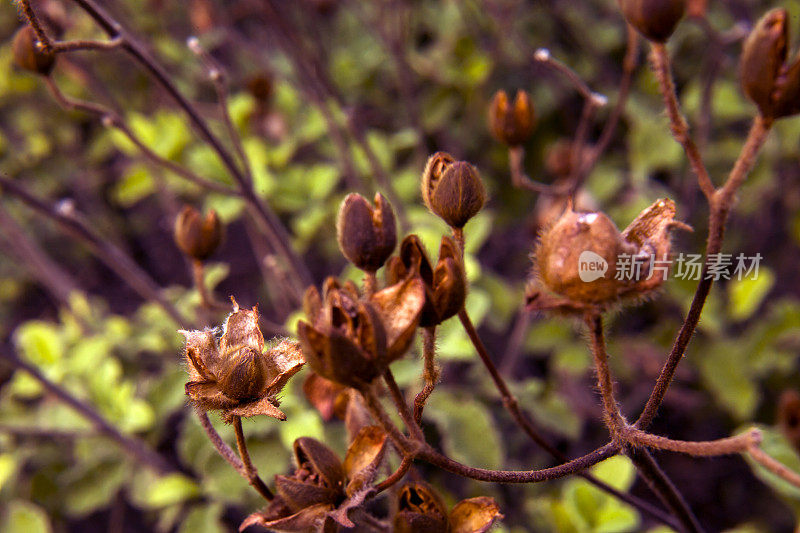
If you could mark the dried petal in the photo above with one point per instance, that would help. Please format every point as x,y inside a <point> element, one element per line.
<point>323,394</point>
<point>305,521</point>
<point>363,457</point>
<point>322,460</point>
<point>399,307</point>
<point>300,494</point>
<point>511,125</point>
<point>475,515</point>
<point>420,510</point>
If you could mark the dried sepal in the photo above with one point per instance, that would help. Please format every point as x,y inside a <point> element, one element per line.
<point>420,510</point>
<point>363,457</point>
<point>399,306</point>
<point>327,397</point>
<point>511,124</point>
<point>654,19</point>
<point>279,518</point>
<point>29,53</point>
<point>230,370</point>
<point>474,515</point>
<point>198,236</point>
<point>453,190</point>
<point>367,235</point>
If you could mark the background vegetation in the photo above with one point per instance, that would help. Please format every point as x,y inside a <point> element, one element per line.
<point>361,93</point>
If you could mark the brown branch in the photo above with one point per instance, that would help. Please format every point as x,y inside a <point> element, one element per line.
<point>614,419</point>
<point>430,373</point>
<point>222,448</point>
<point>402,406</point>
<point>712,448</point>
<point>396,476</point>
<point>79,44</point>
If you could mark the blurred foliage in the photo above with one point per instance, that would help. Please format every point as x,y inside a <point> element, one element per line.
<point>394,100</point>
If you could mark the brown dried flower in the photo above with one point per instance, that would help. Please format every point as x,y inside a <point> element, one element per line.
<point>767,79</point>
<point>229,369</point>
<point>577,260</point>
<point>655,19</point>
<point>421,510</point>
<point>367,236</point>
<point>323,490</point>
<point>351,340</point>
<point>453,190</point>
<point>29,54</point>
<point>445,284</point>
<point>512,125</point>
<point>197,236</point>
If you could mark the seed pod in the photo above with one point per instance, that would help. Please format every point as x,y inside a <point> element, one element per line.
<point>367,236</point>
<point>789,416</point>
<point>260,87</point>
<point>196,236</point>
<point>655,19</point>
<point>578,237</point>
<point>29,53</point>
<point>420,509</point>
<point>767,79</point>
<point>511,125</point>
<point>452,189</point>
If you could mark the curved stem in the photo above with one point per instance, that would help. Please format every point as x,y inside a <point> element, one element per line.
<point>712,448</point>
<point>429,373</point>
<point>402,406</point>
<point>613,417</point>
<point>250,470</point>
<point>396,476</point>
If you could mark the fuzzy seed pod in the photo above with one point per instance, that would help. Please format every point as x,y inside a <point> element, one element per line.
<point>29,53</point>
<point>654,19</point>
<point>511,125</point>
<point>367,236</point>
<point>196,236</point>
<point>453,190</point>
<point>767,79</point>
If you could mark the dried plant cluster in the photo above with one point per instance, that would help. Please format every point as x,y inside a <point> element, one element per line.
<point>351,335</point>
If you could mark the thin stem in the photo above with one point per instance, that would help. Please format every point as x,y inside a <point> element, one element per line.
<point>613,417</point>
<point>712,448</point>
<point>33,20</point>
<point>720,208</point>
<point>575,466</point>
<point>773,465</point>
<point>113,257</point>
<point>207,299</point>
<point>222,448</point>
<point>430,374</point>
<point>396,476</point>
<point>664,488</point>
<point>520,180</point>
<point>578,148</point>
<point>402,406</point>
<point>370,284</point>
<point>250,470</point>
<point>542,55</point>
<point>132,446</point>
<point>73,46</point>
<point>680,129</point>
<point>377,411</point>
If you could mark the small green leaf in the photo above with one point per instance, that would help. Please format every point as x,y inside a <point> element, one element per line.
<point>747,293</point>
<point>40,342</point>
<point>25,517</point>
<point>169,490</point>
<point>135,185</point>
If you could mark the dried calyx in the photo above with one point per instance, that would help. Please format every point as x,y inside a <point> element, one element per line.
<point>323,491</point>
<point>30,54</point>
<point>579,259</point>
<point>421,510</point>
<point>230,370</point>
<point>767,79</point>
<point>511,124</point>
<point>654,19</point>
<point>452,190</point>
<point>198,236</point>
<point>350,339</point>
<point>367,235</point>
<point>445,283</point>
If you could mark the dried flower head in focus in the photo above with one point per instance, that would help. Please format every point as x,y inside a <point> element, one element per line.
<point>453,190</point>
<point>367,235</point>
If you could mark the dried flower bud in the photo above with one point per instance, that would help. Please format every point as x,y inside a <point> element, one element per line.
<point>367,236</point>
<point>420,510</point>
<point>196,236</point>
<point>767,79</point>
<point>260,86</point>
<point>29,53</point>
<point>452,189</point>
<point>655,19</point>
<point>511,125</point>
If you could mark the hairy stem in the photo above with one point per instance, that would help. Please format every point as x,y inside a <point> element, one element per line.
<point>400,402</point>
<point>250,470</point>
<point>430,373</point>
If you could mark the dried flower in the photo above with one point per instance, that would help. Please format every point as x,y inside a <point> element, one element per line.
<point>452,189</point>
<point>350,340</point>
<point>29,53</point>
<point>421,510</point>
<point>655,19</point>
<point>767,79</point>
<point>229,370</point>
<point>445,285</point>
<point>511,125</point>
<point>328,398</point>
<point>367,236</point>
<point>576,262</point>
<point>197,236</point>
<point>323,490</point>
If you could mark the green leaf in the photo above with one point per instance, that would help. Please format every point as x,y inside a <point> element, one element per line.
<point>617,471</point>
<point>203,519</point>
<point>135,185</point>
<point>8,467</point>
<point>469,432</point>
<point>747,294</point>
<point>40,342</point>
<point>25,517</point>
<point>169,490</point>
<point>776,446</point>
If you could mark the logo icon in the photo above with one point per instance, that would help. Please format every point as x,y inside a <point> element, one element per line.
<point>591,266</point>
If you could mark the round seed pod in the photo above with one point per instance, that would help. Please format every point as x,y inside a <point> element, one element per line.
<point>511,124</point>
<point>654,19</point>
<point>29,54</point>
<point>197,236</point>
<point>367,235</point>
<point>453,190</point>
